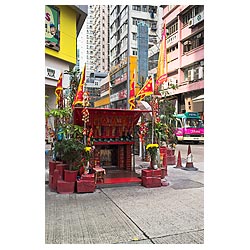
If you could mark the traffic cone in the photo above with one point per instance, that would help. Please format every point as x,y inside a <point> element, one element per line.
<point>189,164</point>
<point>179,165</point>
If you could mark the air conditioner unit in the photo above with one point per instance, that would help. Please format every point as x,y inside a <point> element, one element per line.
<point>190,22</point>
<point>198,18</point>
<point>191,75</point>
<point>200,72</point>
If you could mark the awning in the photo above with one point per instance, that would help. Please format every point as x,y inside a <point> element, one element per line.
<point>142,105</point>
<point>199,98</point>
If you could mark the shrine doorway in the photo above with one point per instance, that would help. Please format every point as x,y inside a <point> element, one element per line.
<point>109,156</point>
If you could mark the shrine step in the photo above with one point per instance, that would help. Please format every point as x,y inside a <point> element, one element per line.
<point>118,182</point>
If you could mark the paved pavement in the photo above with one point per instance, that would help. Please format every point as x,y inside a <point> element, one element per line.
<point>171,214</point>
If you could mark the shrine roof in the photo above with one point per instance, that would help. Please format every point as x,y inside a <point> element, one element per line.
<point>105,116</point>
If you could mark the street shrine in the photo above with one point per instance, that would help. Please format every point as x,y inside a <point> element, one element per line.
<point>112,135</point>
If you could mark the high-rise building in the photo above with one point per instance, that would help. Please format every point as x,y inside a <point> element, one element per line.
<point>124,48</point>
<point>94,40</point>
<point>90,66</point>
<point>94,49</point>
<point>101,38</point>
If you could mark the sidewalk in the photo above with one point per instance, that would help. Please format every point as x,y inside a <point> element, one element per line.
<point>171,214</point>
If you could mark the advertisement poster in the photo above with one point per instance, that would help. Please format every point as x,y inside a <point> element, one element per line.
<point>52,31</point>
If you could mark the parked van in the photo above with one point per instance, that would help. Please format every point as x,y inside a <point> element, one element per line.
<point>189,127</point>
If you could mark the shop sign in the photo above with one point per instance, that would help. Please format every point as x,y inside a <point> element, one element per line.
<point>52,30</point>
<point>120,79</point>
<point>198,18</point>
<point>172,39</point>
<point>52,73</point>
<point>123,94</point>
<point>118,96</point>
<point>114,97</point>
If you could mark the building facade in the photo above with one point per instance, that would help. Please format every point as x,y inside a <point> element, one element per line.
<point>90,67</point>
<point>101,38</point>
<point>62,25</point>
<point>185,49</point>
<point>124,48</point>
<point>104,100</point>
<point>93,86</point>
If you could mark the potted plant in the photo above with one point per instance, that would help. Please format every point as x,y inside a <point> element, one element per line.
<point>71,153</point>
<point>152,149</point>
<point>165,130</point>
<point>86,156</point>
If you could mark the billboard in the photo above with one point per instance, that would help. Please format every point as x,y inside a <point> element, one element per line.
<point>52,28</point>
<point>142,41</point>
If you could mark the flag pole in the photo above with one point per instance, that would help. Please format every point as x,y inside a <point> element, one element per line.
<point>152,106</point>
<point>84,123</point>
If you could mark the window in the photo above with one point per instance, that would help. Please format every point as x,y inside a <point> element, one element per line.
<point>173,48</point>
<point>172,28</point>
<point>178,124</point>
<point>187,16</point>
<point>193,42</point>
<point>134,36</point>
<point>134,52</point>
<point>135,21</point>
<point>193,123</point>
<point>198,9</point>
<point>136,7</point>
<point>195,72</point>
<point>152,9</point>
<point>144,8</point>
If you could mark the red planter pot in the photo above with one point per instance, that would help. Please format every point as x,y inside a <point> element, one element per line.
<point>163,156</point>
<point>171,160</point>
<point>61,168</point>
<point>69,175</point>
<point>52,166</point>
<point>88,177</point>
<point>151,182</point>
<point>51,187</point>
<point>55,178</point>
<point>151,172</point>
<point>85,186</point>
<point>164,172</point>
<point>64,187</point>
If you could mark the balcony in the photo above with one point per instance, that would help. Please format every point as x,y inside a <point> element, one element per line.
<point>194,55</point>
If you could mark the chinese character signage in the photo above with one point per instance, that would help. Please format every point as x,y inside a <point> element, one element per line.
<point>52,32</point>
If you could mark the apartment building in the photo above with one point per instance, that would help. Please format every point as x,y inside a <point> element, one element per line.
<point>90,66</point>
<point>101,38</point>
<point>185,48</point>
<point>124,48</point>
<point>94,49</point>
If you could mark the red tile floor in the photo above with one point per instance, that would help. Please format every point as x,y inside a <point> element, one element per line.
<point>119,176</point>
